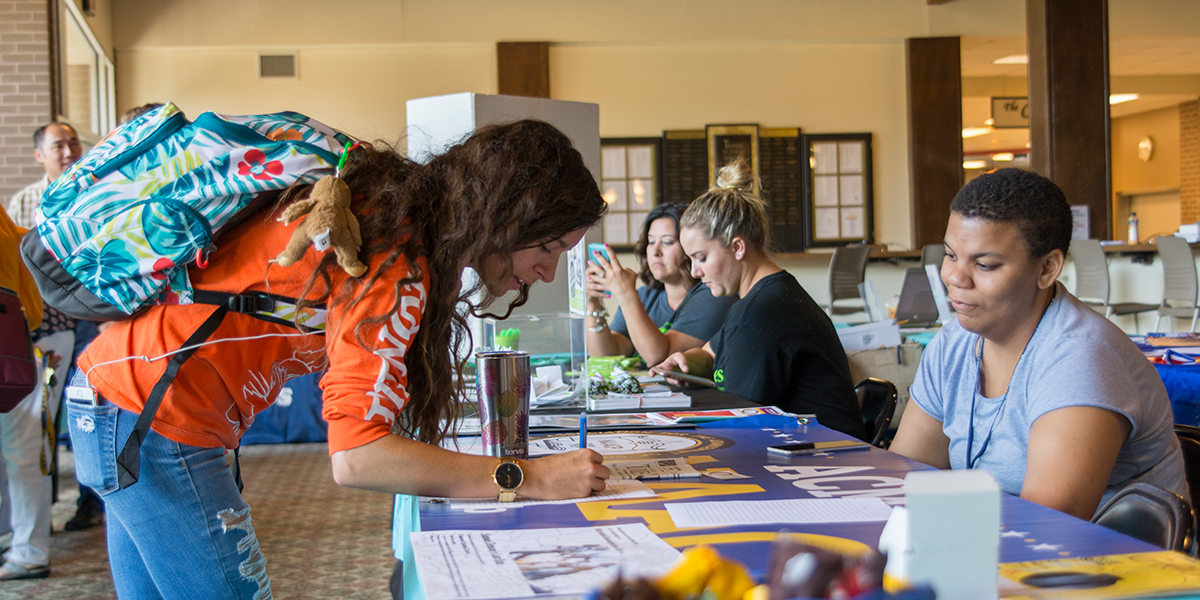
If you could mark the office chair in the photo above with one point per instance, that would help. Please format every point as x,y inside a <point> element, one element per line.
<point>932,254</point>
<point>877,402</point>
<point>1179,280</point>
<point>1189,442</point>
<point>1152,515</point>
<point>1092,285</point>
<point>847,269</point>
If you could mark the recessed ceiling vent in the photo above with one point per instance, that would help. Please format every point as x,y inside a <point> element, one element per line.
<point>276,65</point>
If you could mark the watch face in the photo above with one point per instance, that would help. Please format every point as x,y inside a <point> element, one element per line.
<point>508,475</point>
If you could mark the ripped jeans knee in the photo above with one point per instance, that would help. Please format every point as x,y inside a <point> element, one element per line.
<point>254,567</point>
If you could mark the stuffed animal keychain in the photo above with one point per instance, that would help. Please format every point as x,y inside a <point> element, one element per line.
<point>329,222</point>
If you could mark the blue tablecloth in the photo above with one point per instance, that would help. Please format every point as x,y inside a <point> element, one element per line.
<point>1182,382</point>
<point>1031,532</point>
<point>1183,388</point>
<point>294,418</point>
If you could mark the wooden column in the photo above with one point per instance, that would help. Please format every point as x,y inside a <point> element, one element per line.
<point>524,68</point>
<point>1069,129</point>
<point>935,171</point>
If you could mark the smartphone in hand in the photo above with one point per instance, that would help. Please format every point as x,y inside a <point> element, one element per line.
<point>805,448</point>
<point>593,248</point>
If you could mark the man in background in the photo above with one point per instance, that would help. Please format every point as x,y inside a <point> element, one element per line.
<point>56,146</point>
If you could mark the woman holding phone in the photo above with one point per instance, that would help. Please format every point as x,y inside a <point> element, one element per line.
<point>671,312</point>
<point>776,347</point>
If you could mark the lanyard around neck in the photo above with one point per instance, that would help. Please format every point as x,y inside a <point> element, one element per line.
<point>978,391</point>
<point>973,458</point>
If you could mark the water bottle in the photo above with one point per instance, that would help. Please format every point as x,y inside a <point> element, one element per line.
<point>1133,228</point>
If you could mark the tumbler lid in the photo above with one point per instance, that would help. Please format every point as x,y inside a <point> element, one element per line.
<point>500,353</point>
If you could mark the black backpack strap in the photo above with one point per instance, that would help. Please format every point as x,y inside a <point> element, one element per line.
<point>129,460</point>
<point>272,308</point>
<point>237,468</point>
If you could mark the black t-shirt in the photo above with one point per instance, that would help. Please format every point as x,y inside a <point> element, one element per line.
<point>777,347</point>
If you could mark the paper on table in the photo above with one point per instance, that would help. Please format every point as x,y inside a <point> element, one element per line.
<point>615,489</point>
<point>660,468</point>
<point>524,562</point>
<point>757,512</point>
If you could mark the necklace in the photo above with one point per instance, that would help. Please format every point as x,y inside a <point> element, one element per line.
<point>972,458</point>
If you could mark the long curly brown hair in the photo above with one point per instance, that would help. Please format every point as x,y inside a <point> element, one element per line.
<point>504,188</point>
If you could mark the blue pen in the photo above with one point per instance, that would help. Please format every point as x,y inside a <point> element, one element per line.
<point>583,430</point>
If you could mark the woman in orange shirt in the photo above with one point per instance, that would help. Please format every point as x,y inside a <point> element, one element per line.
<point>506,202</point>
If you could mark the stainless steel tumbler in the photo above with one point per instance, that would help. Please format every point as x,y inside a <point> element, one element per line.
<point>502,387</point>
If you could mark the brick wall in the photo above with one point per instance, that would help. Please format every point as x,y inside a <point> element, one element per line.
<point>24,89</point>
<point>1189,162</point>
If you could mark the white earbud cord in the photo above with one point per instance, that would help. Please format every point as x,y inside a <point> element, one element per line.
<point>200,345</point>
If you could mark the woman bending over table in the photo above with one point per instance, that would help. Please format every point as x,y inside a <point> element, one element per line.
<point>1029,383</point>
<point>671,312</point>
<point>506,202</point>
<point>776,347</point>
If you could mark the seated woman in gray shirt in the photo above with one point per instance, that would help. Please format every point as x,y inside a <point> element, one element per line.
<point>1029,383</point>
<point>671,312</point>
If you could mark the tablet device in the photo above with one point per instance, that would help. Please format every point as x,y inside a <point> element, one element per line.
<point>917,307</point>
<point>692,379</point>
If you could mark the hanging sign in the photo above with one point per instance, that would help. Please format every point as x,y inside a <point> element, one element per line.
<point>1010,113</point>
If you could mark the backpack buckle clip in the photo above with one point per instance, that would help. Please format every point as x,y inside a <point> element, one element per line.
<point>251,303</point>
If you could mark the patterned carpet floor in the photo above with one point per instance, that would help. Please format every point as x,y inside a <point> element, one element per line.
<point>321,540</point>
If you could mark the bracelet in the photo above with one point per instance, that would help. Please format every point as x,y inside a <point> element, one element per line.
<point>600,313</point>
<point>601,326</point>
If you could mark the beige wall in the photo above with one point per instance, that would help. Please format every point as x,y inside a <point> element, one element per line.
<point>1149,188</point>
<point>822,88</point>
<point>359,89</point>
<point>1131,174</point>
<point>822,65</point>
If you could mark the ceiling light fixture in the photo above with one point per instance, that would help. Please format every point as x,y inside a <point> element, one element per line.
<point>975,164</point>
<point>1003,156</point>
<point>1012,59</point>
<point>970,132</point>
<point>1119,98</point>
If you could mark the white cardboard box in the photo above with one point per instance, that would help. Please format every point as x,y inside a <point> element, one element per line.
<point>948,535</point>
<point>869,335</point>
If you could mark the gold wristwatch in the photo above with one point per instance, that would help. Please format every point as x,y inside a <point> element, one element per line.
<point>509,476</point>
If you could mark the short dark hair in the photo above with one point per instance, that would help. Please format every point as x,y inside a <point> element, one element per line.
<point>40,134</point>
<point>1034,204</point>
<point>137,111</point>
<point>673,211</point>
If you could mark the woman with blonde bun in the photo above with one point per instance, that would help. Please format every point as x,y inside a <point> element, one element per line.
<point>672,312</point>
<point>776,347</point>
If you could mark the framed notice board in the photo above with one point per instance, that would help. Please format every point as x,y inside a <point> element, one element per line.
<point>685,165</point>
<point>779,154</point>
<point>728,143</point>
<point>839,199</point>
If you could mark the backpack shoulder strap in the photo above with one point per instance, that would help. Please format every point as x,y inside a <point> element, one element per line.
<point>129,459</point>
<point>272,308</point>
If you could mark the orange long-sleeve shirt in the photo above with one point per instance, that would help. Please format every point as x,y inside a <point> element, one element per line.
<point>220,389</point>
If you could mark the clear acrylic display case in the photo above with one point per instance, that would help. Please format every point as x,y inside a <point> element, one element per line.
<point>550,339</point>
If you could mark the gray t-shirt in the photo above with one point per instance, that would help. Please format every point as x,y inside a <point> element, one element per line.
<point>700,314</point>
<point>1075,358</point>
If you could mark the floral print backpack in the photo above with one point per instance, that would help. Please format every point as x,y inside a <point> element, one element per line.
<point>117,231</point>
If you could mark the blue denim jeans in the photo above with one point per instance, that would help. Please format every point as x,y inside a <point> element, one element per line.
<point>182,531</point>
